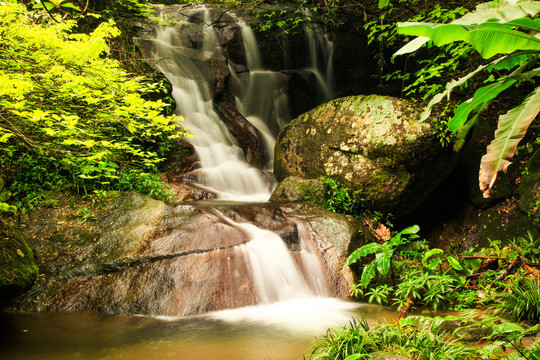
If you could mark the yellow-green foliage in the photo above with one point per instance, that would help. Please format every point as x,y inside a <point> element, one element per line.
<point>70,116</point>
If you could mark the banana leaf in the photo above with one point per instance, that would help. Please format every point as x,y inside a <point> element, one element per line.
<point>365,250</point>
<point>382,261</point>
<point>481,96</point>
<point>512,127</point>
<point>367,274</point>
<point>487,38</point>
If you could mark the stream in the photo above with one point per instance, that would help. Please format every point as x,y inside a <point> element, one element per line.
<point>280,332</point>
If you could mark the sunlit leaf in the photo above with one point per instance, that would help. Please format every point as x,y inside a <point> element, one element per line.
<point>365,250</point>
<point>487,40</point>
<point>382,260</point>
<point>481,96</point>
<point>367,274</point>
<point>454,263</point>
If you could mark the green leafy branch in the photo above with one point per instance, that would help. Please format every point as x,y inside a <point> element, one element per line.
<point>509,31</point>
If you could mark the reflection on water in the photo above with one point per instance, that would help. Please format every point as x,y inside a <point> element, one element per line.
<point>278,332</point>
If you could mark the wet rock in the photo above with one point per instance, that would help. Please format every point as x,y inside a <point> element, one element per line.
<point>201,66</point>
<point>302,89</point>
<point>371,144</point>
<point>145,257</point>
<point>247,135</point>
<point>336,236</point>
<point>186,191</point>
<point>231,41</point>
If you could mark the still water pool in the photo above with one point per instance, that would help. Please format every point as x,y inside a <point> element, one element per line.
<point>282,331</point>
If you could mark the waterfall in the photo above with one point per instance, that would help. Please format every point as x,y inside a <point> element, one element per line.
<point>264,100</point>
<point>278,274</point>
<point>223,168</point>
<point>320,48</point>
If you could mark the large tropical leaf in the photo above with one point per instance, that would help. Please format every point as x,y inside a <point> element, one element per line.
<point>367,274</point>
<point>396,239</point>
<point>365,250</point>
<point>486,38</point>
<point>502,10</point>
<point>382,260</point>
<point>512,127</point>
<point>481,96</point>
<point>412,45</point>
<point>461,133</point>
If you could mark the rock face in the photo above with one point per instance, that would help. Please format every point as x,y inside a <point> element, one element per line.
<point>142,256</point>
<point>18,271</point>
<point>372,144</point>
<point>249,138</point>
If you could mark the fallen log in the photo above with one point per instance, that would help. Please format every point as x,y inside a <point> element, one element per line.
<point>529,270</point>
<point>509,268</point>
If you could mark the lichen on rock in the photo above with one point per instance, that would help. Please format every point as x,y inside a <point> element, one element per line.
<point>372,144</point>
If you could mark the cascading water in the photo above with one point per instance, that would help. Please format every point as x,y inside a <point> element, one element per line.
<point>277,276</point>
<point>320,48</point>
<point>223,168</point>
<point>290,287</point>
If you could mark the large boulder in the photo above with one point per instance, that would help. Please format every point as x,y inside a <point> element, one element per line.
<point>374,145</point>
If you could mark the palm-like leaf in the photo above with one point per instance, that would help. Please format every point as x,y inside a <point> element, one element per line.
<point>511,129</point>
<point>488,38</point>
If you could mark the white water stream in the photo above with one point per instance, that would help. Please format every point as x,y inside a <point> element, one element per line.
<point>223,168</point>
<point>294,288</point>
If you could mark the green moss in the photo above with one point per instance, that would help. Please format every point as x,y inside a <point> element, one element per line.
<point>18,270</point>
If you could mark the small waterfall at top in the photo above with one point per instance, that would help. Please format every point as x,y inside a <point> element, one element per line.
<point>223,168</point>
<point>262,99</point>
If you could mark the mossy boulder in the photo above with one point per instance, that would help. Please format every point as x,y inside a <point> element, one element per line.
<point>18,270</point>
<point>372,144</point>
<point>294,189</point>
